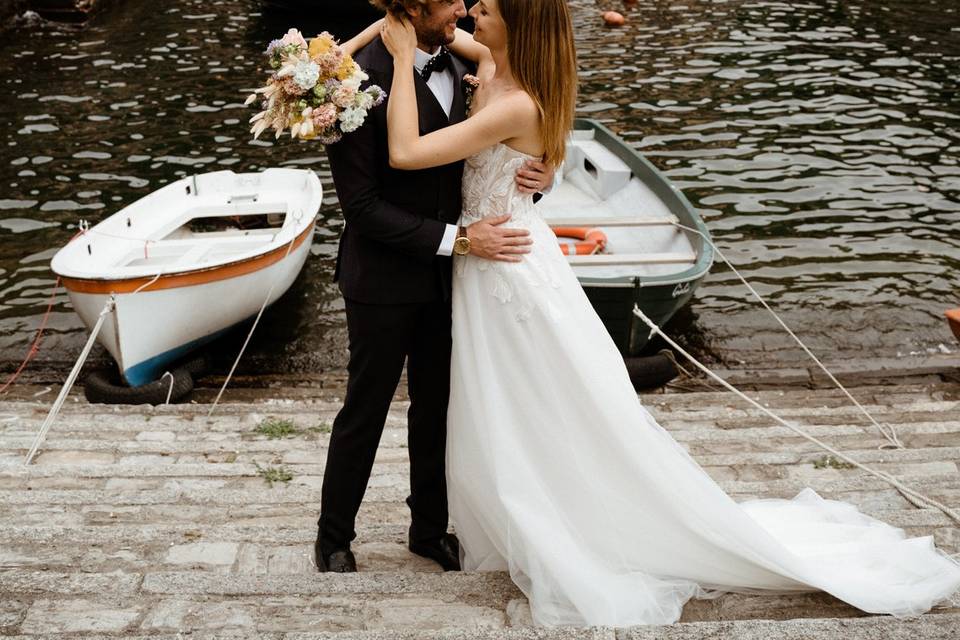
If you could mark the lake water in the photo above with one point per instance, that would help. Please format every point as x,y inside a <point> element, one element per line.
<point>819,140</point>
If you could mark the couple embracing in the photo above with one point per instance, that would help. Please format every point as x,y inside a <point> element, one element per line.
<point>524,431</point>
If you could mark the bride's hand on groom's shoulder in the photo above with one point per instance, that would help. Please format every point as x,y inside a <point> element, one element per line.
<point>491,240</point>
<point>399,37</point>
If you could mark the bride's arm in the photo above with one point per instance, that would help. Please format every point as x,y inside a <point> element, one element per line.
<point>508,117</point>
<point>362,39</point>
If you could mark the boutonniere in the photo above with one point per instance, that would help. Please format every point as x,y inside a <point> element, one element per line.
<point>470,84</point>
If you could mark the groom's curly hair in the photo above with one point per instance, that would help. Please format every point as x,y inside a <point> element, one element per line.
<point>396,7</point>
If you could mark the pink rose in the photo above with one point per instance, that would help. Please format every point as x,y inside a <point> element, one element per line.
<point>345,96</point>
<point>293,37</point>
<point>324,117</point>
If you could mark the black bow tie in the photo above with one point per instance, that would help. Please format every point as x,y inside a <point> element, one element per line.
<point>438,62</point>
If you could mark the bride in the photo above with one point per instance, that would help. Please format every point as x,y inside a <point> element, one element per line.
<point>555,471</point>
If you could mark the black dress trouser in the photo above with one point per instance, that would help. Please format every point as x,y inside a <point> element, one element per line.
<point>382,337</point>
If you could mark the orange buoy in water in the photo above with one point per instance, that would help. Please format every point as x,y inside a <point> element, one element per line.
<point>590,240</point>
<point>613,19</point>
<point>953,317</point>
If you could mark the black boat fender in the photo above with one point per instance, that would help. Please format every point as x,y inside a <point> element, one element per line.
<point>104,386</point>
<point>650,372</point>
<point>197,365</point>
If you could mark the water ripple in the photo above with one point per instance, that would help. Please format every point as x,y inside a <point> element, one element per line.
<point>819,140</point>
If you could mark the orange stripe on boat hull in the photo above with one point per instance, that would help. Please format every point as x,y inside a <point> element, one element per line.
<point>186,278</point>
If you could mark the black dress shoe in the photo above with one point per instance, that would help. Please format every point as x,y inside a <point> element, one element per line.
<point>341,561</point>
<point>444,550</point>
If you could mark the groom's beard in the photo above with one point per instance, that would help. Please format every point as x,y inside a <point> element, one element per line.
<point>433,37</point>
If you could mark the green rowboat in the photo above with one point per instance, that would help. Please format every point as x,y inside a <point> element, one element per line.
<point>648,260</point>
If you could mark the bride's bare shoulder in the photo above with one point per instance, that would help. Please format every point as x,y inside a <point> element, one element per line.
<point>521,104</point>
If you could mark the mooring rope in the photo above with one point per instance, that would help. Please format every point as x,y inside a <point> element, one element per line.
<point>914,497</point>
<point>256,321</point>
<point>108,308</point>
<point>886,431</point>
<point>55,409</point>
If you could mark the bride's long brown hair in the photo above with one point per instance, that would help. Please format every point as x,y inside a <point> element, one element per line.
<point>543,59</point>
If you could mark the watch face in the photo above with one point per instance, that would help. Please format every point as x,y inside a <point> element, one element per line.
<point>461,246</point>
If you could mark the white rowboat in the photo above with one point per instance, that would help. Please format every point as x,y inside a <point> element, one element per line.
<point>189,261</point>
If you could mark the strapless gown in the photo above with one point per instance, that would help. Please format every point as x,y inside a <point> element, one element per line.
<point>557,474</point>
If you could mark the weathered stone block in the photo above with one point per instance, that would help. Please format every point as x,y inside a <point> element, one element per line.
<point>215,553</point>
<point>426,614</point>
<point>74,616</point>
<point>74,457</point>
<point>264,558</point>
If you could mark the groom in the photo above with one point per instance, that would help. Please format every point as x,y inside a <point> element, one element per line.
<point>394,271</point>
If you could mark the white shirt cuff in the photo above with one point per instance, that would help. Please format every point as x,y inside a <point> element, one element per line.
<point>446,245</point>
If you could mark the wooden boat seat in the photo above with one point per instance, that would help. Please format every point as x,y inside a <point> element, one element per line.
<point>629,221</point>
<point>183,252</point>
<point>619,259</point>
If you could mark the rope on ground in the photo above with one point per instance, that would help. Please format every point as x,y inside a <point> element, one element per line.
<point>167,374</point>
<point>55,409</point>
<point>252,328</point>
<point>886,431</point>
<point>914,497</point>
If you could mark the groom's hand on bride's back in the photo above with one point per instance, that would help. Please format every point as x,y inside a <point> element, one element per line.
<point>491,240</point>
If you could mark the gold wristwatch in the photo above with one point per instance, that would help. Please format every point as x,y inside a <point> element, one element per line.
<point>461,246</point>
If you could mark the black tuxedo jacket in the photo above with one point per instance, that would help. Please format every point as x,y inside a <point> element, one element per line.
<point>395,219</point>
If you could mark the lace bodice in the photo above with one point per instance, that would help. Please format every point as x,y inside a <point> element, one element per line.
<point>489,188</point>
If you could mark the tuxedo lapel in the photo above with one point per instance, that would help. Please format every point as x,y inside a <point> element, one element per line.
<point>458,110</point>
<point>431,114</point>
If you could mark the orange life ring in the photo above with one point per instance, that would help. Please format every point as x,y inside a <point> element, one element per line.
<point>591,240</point>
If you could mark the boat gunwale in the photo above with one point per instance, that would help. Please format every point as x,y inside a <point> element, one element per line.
<point>185,278</point>
<point>145,273</point>
<point>680,207</point>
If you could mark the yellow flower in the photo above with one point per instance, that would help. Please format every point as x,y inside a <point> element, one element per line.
<point>321,45</point>
<point>347,68</point>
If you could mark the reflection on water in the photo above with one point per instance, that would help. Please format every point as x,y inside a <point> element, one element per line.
<point>818,139</point>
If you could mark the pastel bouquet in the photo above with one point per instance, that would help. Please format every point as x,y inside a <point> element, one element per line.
<point>313,90</point>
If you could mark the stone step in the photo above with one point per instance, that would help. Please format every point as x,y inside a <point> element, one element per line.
<point>395,475</point>
<point>729,415</point>
<point>211,487</point>
<point>281,398</point>
<point>266,549</point>
<point>927,627</point>
<point>207,555</point>
<point>393,461</point>
<point>311,446</point>
<point>792,402</point>
<point>303,532</point>
<point>493,590</point>
<point>942,626</point>
<point>150,439</point>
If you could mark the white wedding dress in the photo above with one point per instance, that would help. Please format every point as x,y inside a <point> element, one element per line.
<point>558,474</point>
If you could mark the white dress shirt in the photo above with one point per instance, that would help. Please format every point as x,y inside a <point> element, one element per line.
<point>441,84</point>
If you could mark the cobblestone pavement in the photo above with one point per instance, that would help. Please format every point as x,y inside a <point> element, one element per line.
<point>161,522</point>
